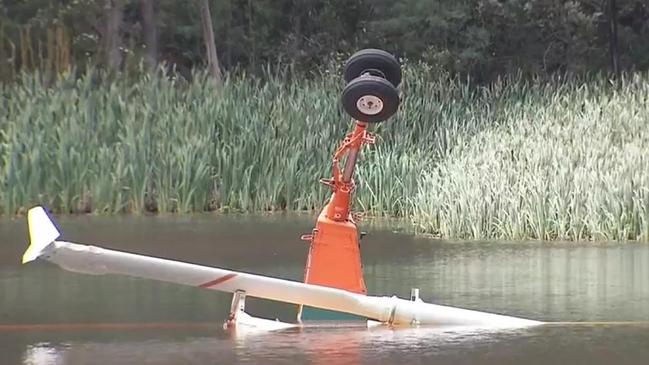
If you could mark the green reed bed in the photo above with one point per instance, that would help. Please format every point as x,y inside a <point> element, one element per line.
<point>155,144</point>
<point>565,162</point>
<point>516,159</point>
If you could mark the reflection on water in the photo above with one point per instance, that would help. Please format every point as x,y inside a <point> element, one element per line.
<point>41,354</point>
<point>554,282</point>
<point>548,282</point>
<point>322,345</point>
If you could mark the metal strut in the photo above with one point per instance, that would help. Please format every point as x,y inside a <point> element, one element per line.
<point>342,183</point>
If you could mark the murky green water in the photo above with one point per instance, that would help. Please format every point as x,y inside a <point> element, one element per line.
<point>48,316</point>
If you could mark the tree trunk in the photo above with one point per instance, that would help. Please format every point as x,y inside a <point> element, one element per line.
<point>208,37</point>
<point>150,34</point>
<point>251,36</point>
<point>111,39</point>
<point>613,38</point>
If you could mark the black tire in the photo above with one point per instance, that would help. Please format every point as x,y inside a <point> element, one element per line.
<point>376,62</point>
<point>364,93</point>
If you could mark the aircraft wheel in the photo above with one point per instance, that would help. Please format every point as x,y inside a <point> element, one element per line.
<point>375,62</point>
<point>370,99</point>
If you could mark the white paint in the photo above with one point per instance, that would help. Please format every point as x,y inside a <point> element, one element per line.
<point>391,310</point>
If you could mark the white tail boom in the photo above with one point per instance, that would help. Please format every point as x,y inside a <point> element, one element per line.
<point>391,310</point>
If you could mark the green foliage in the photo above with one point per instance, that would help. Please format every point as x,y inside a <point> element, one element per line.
<point>480,38</point>
<point>158,144</point>
<point>560,161</point>
<point>517,159</point>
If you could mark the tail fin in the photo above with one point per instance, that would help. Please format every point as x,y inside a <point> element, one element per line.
<point>42,232</point>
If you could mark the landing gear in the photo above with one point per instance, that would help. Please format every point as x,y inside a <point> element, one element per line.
<point>369,97</point>
<point>239,320</point>
<point>372,76</point>
<point>376,62</point>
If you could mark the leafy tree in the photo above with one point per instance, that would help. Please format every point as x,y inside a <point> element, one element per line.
<point>481,38</point>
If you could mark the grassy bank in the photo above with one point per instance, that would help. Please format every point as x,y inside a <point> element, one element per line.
<point>564,162</point>
<point>514,160</point>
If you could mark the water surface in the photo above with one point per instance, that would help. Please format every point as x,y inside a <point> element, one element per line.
<point>49,316</point>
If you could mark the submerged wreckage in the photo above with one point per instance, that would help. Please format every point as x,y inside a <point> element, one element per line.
<point>333,275</point>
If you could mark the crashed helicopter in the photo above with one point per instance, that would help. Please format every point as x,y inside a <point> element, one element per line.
<point>333,278</point>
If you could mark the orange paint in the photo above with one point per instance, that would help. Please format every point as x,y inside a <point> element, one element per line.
<point>334,255</point>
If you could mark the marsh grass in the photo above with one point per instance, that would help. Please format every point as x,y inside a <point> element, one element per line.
<point>517,159</point>
<point>566,162</point>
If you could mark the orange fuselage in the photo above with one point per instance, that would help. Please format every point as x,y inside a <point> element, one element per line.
<point>334,255</point>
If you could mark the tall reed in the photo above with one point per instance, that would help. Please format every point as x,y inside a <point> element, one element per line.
<point>160,144</point>
<point>568,161</point>
<point>517,159</point>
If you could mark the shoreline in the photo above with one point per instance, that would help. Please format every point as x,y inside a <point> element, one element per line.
<point>562,159</point>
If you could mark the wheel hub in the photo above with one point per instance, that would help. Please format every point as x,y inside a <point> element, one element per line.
<point>369,105</point>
